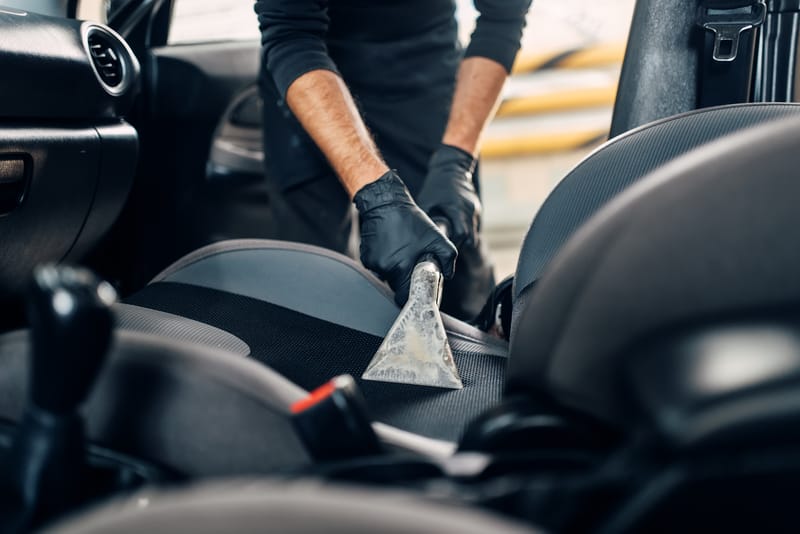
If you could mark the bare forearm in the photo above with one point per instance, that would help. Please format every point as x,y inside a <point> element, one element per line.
<point>479,84</point>
<point>322,103</point>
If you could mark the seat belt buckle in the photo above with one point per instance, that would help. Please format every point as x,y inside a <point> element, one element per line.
<point>729,24</point>
<point>333,422</point>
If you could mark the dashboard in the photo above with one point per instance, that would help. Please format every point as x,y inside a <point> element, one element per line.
<point>67,156</point>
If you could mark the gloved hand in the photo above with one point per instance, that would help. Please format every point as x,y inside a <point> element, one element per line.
<point>448,192</point>
<point>395,233</point>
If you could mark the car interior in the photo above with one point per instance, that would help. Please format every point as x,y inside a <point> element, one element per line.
<point>157,353</point>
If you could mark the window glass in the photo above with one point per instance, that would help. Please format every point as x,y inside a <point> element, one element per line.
<point>557,108</point>
<point>54,8</point>
<point>100,10</point>
<point>195,21</point>
<point>94,10</point>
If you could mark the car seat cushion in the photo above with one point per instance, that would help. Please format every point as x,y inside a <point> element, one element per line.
<point>309,351</point>
<point>179,404</point>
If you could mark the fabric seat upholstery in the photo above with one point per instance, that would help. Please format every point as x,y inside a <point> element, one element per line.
<point>617,165</point>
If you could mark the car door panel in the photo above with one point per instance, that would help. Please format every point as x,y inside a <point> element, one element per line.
<point>190,92</point>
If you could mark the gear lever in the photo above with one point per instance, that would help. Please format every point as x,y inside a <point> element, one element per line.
<point>71,325</point>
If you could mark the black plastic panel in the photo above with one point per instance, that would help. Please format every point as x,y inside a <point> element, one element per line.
<point>116,172</point>
<point>660,72</point>
<point>78,179</point>
<point>197,82</point>
<point>62,183</point>
<point>53,77</point>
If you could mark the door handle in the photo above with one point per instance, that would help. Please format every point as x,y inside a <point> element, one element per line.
<point>14,172</point>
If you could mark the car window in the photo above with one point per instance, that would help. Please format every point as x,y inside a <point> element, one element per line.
<point>212,20</point>
<point>55,8</point>
<point>557,108</point>
<point>100,10</point>
<point>94,10</point>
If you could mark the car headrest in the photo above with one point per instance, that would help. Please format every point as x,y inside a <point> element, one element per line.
<point>710,235</point>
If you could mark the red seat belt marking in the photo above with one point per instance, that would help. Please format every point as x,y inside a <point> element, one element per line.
<point>314,398</point>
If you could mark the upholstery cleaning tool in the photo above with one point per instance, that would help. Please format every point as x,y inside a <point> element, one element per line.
<point>415,350</point>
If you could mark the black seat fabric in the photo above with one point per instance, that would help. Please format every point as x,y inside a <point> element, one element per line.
<point>310,351</point>
<point>310,315</point>
<point>710,236</point>
<point>614,167</point>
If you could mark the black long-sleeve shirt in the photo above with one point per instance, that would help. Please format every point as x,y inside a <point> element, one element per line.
<point>399,58</point>
<point>299,36</point>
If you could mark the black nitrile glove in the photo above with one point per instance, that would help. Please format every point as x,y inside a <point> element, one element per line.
<point>395,233</point>
<point>448,192</point>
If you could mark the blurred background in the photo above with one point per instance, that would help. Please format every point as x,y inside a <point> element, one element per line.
<point>556,109</point>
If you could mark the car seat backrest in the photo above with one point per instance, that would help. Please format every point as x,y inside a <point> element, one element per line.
<point>618,164</point>
<point>711,235</point>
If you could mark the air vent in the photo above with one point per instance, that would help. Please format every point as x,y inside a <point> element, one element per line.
<point>112,60</point>
<point>106,60</point>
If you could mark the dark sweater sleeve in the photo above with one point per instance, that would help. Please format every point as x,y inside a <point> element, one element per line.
<point>498,32</point>
<point>293,38</point>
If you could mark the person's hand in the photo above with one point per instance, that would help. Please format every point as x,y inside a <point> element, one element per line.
<point>448,192</point>
<point>395,233</point>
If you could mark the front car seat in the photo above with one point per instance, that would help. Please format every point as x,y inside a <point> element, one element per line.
<point>310,314</point>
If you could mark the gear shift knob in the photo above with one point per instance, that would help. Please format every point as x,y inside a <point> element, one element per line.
<point>44,473</point>
<point>71,323</point>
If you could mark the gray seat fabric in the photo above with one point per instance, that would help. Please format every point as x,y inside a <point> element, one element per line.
<point>179,393</point>
<point>614,167</point>
<point>198,410</point>
<point>285,506</point>
<point>176,328</point>
<point>712,235</point>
